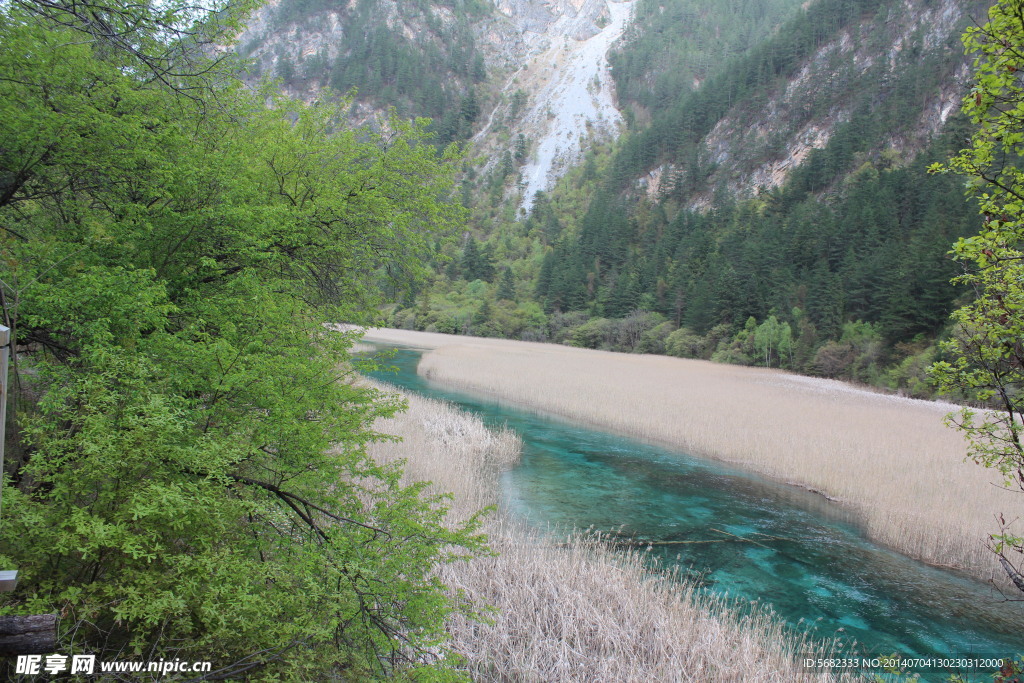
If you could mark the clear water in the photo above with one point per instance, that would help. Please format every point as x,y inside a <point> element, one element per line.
<point>741,535</point>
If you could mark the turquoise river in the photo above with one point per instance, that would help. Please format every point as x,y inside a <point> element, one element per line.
<point>768,542</point>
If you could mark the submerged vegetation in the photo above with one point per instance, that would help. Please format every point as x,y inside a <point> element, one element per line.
<point>576,610</point>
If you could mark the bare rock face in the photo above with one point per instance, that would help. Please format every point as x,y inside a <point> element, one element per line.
<point>579,19</point>
<point>560,66</point>
<point>549,81</point>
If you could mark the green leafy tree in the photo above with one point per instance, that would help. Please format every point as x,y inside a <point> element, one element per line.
<point>187,475</point>
<point>987,352</point>
<point>773,340</point>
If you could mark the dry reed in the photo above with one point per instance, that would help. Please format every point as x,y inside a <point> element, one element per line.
<point>891,459</point>
<point>574,611</point>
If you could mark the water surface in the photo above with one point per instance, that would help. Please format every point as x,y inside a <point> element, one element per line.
<point>741,535</point>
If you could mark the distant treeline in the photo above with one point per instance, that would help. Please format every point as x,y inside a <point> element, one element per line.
<point>876,252</point>
<point>854,285</point>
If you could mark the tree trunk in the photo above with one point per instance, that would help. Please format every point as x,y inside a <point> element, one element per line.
<point>1014,575</point>
<point>33,634</point>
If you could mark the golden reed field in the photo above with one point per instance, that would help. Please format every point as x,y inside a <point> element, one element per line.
<point>573,611</point>
<point>889,459</point>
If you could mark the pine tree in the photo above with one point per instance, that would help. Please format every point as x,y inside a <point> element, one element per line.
<point>468,107</point>
<point>520,148</point>
<point>485,263</point>
<point>471,260</point>
<point>481,320</point>
<point>507,285</point>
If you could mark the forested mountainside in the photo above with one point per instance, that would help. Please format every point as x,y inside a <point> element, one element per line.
<point>874,74</point>
<point>420,58</point>
<point>776,212</point>
<point>755,191</point>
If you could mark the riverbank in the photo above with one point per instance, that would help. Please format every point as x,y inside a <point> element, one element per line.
<point>573,611</point>
<point>889,459</point>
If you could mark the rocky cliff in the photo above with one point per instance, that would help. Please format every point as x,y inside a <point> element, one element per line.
<point>541,69</point>
<point>563,70</point>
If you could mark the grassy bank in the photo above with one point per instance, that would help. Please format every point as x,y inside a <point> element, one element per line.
<point>573,611</point>
<point>891,459</point>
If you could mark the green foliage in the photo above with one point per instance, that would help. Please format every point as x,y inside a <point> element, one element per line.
<point>593,334</point>
<point>655,339</point>
<point>477,263</point>
<point>187,474</point>
<point>773,342</point>
<point>874,253</point>
<point>685,344</point>
<point>911,375</point>
<point>855,355</point>
<point>986,355</point>
<point>507,285</point>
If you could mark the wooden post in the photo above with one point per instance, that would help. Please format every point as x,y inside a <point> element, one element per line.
<point>35,633</point>
<point>5,356</point>
<point>10,578</point>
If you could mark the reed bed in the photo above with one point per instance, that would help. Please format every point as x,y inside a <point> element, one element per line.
<point>575,610</point>
<point>890,459</point>
<point>451,449</point>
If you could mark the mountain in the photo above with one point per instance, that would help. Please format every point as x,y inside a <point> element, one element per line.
<point>743,181</point>
<point>888,74</point>
<point>528,81</point>
<point>420,58</point>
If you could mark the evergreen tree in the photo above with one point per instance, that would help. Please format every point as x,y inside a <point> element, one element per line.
<point>481,320</point>
<point>485,263</point>
<point>468,107</point>
<point>471,260</point>
<point>507,285</point>
<point>520,148</point>
<point>545,277</point>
